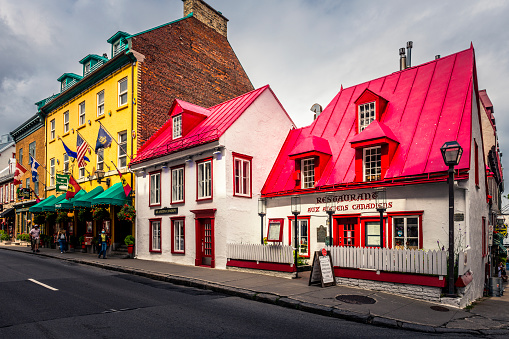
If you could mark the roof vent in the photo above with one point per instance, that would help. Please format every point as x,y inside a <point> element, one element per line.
<point>409,46</point>
<point>437,56</point>
<point>317,108</point>
<point>402,59</point>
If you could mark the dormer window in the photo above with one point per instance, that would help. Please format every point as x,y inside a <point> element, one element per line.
<point>116,47</point>
<point>63,86</point>
<point>177,126</point>
<point>308,173</point>
<point>372,161</point>
<point>367,113</point>
<point>87,68</point>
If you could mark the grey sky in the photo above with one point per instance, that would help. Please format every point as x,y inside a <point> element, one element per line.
<point>304,49</point>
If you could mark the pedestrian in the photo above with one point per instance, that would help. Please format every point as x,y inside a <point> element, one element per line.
<point>62,240</point>
<point>103,240</point>
<point>35,236</point>
<point>502,272</point>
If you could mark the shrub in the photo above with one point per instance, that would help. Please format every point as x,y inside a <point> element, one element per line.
<point>129,240</point>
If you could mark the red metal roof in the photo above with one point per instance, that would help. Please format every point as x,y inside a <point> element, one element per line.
<point>427,105</point>
<point>218,119</point>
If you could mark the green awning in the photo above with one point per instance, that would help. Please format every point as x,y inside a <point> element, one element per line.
<point>38,207</point>
<point>86,199</point>
<point>50,207</point>
<point>115,195</point>
<point>69,204</point>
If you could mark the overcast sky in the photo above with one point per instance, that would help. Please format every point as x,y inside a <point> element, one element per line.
<point>304,49</point>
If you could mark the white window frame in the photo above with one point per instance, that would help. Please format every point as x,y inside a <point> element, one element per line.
<point>307,170</point>
<point>155,235</point>
<point>122,150</point>
<point>366,114</point>
<point>87,68</point>
<point>52,129</point>
<point>405,235</point>
<point>177,185</point>
<point>372,239</point>
<point>31,150</point>
<point>301,223</point>
<point>179,240</point>
<point>66,163</point>
<point>66,121</point>
<point>177,126</point>
<point>52,172</point>
<point>155,189</point>
<point>100,159</point>
<point>242,176</point>
<point>36,187</point>
<point>116,47</point>
<point>204,179</point>
<point>81,109</point>
<point>122,94</point>
<point>374,168</point>
<point>81,172</point>
<point>100,103</point>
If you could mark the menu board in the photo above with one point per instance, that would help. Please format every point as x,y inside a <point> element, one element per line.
<point>322,271</point>
<point>275,231</point>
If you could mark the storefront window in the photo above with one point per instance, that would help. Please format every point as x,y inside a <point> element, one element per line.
<point>302,235</point>
<point>372,229</point>
<point>406,232</point>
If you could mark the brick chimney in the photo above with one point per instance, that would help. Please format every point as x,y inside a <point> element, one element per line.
<point>206,14</point>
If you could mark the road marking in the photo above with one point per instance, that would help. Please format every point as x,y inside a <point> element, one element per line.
<point>40,283</point>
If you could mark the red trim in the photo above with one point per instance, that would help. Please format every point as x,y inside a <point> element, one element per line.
<point>401,278</point>
<point>150,235</point>
<point>183,182</point>
<point>282,222</point>
<point>199,216</point>
<point>304,217</point>
<point>247,158</point>
<point>338,220</point>
<point>150,204</point>
<point>211,179</point>
<point>390,215</point>
<point>173,219</point>
<point>476,163</point>
<point>483,237</point>
<point>261,265</point>
<point>363,230</point>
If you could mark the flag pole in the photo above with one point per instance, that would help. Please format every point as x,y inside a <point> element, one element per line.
<point>112,138</point>
<point>102,158</point>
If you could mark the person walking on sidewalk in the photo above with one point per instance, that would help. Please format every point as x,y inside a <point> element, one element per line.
<point>35,236</point>
<point>62,240</point>
<point>103,239</point>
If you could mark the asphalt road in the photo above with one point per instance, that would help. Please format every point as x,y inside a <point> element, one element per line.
<point>81,301</point>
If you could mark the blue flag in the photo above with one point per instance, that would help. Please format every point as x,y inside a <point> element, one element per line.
<point>104,139</point>
<point>33,165</point>
<point>70,153</point>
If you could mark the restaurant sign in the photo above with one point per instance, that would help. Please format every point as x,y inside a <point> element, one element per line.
<point>166,210</point>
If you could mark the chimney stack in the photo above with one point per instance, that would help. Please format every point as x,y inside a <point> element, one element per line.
<point>317,108</point>
<point>437,56</point>
<point>206,14</point>
<point>409,46</point>
<point>402,59</point>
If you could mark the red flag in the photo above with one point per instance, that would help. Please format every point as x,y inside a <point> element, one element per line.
<point>20,170</point>
<point>127,188</point>
<point>72,188</point>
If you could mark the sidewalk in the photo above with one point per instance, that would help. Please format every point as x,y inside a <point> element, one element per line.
<point>489,316</point>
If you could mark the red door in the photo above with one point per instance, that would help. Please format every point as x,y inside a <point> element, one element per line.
<point>347,232</point>
<point>206,241</point>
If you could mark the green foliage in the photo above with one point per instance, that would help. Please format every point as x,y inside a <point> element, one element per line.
<point>84,215</point>
<point>4,236</point>
<point>81,239</point>
<point>100,213</point>
<point>62,217</point>
<point>23,237</point>
<point>39,218</point>
<point>129,240</point>
<point>127,213</point>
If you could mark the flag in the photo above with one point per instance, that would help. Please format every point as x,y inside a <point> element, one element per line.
<point>20,170</point>
<point>33,165</point>
<point>70,153</point>
<point>127,188</point>
<point>82,147</point>
<point>72,188</point>
<point>104,139</point>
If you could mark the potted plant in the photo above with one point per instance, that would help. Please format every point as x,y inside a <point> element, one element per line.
<point>129,241</point>
<point>39,219</point>
<point>100,213</point>
<point>127,213</point>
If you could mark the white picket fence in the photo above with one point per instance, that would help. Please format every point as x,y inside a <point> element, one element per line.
<point>390,260</point>
<point>257,252</point>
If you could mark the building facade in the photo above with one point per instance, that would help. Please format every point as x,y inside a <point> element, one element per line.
<point>200,176</point>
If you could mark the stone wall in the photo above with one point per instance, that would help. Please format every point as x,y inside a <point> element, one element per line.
<point>206,14</point>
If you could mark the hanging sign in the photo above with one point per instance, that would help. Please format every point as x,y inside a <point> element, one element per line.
<point>62,180</point>
<point>166,210</point>
<point>24,193</point>
<point>322,271</point>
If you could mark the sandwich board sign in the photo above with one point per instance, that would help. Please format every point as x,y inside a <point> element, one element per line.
<point>322,271</point>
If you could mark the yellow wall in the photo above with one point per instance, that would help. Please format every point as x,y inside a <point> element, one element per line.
<point>115,119</point>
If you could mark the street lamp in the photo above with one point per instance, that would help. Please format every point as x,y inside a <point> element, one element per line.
<point>262,210</point>
<point>451,152</point>
<point>330,205</point>
<point>381,203</point>
<point>296,212</point>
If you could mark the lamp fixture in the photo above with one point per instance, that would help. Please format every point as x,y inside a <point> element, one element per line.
<point>99,175</point>
<point>89,122</point>
<point>164,166</point>
<point>217,151</point>
<point>189,159</point>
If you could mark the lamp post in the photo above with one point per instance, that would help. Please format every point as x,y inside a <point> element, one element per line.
<point>296,212</point>
<point>381,202</point>
<point>329,209</point>
<point>451,153</point>
<point>262,210</point>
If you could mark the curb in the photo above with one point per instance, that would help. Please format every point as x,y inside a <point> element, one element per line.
<point>278,300</point>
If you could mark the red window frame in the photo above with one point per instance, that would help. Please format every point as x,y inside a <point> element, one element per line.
<point>363,237</point>
<point>281,229</point>
<point>173,219</point>
<point>250,160</point>
<point>418,214</point>
<point>476,163</point>
<point>183,184</point>
<point>150,188</point>
<point>290,220</point>
<point>11,187</point>
<point>211,179</point>
<point>160,235</point>
<point>484,238</point>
